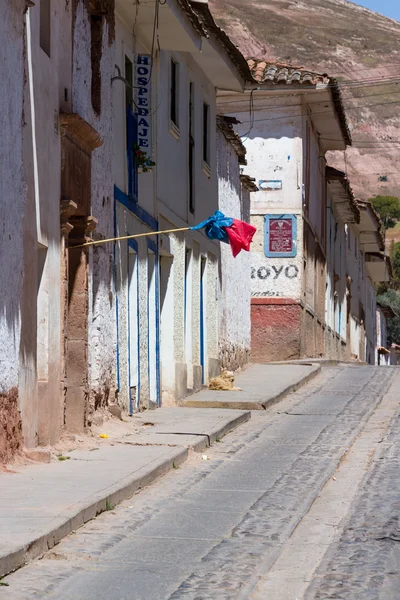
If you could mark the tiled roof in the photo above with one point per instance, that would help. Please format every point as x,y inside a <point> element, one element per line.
<point>259,71</point>
<point>249,183</point>
<point>187,8</point>
<point>225,125</point>
<point>352,215</point>
<point>209,25</point>
<point>369,206</point>
<point>264,72</point>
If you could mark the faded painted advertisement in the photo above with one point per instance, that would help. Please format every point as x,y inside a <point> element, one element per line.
<point>279,274</point>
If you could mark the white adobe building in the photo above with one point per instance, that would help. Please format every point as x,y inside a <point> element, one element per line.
<point>355,265</point>
<point>290,120</point>
<point>57,348</point>
<point>167,287</point>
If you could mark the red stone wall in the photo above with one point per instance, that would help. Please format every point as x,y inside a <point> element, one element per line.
<point>275,329</point>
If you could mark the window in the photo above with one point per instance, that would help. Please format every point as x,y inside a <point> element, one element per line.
<point>191,147</point>
<point>131,132</point>
<point>44,28</point>
<point>96,36</point>
<point>307,165</point>
<point>174,94</point>
<point>324,202</point>
<point>206,133</point>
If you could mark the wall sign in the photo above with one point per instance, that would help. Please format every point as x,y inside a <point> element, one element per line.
<point>270,185</point>
<point>280,236</point>
<point>143,101</point>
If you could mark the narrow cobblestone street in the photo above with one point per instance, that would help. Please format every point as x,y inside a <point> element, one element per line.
<point>301,502</point>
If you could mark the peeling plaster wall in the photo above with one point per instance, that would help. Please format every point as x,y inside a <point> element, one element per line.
<point>235,283</point>
<point>274,152</point>
<point>12,209</point>
<point>12,188</point>
<point>48,75</point>
<point>102,328</point>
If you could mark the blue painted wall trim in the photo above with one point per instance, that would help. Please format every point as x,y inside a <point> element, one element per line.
<point>138,336</point>
<point>158,375</point>
<point>152,245</point>
<point>133,244</point>
<point>137,210</point>
<point>116,296</point>
<point>202,353</point>
<point>129,335</point>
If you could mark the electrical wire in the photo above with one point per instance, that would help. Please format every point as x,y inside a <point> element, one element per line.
<point>251,114</point>
<point>322,112</point>
<point>347,99</point>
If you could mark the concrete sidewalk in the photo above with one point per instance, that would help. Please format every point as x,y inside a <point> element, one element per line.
<point>42,503</point>
<point>260,387</point>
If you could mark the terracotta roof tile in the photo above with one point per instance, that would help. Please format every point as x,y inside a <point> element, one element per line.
<point>332,174</point>
<point>225,125</point>
<point>265,72</point>
<point>187,8</point>
<point>249,183</point>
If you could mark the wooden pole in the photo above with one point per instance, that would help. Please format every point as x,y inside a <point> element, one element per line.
<point>129,237</point>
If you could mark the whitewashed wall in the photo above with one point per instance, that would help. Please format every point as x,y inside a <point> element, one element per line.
<point>336,265</point>
<point>274,152</point>
<point>172,169</point>
<point>102,329</point>
<point>163,194</point>
<point>381,337</point>
<point>370,322</point>
<point>235,294</point>
<point>12,188</point>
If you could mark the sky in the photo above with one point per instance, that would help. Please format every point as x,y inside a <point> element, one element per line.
<point>390,8</point>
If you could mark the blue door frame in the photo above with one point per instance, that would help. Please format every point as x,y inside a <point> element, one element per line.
<point>154,247</point>
<point>134,245</point>
<point>202,320</point>
<point>131,139</point>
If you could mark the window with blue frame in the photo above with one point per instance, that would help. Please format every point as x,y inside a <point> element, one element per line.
<point>131,132</point>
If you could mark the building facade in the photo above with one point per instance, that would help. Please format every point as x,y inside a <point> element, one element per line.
<point>167,286</point>
<point>313,284</point>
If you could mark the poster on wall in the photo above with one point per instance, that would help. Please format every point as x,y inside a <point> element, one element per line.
<point>280,236</point>
<point>143,101</point>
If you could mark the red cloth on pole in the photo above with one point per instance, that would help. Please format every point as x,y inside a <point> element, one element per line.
<point>240,236</point>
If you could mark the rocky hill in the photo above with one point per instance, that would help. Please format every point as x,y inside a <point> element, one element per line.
<point>344,40</point>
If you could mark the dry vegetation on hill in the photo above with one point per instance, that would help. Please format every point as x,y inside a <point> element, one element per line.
<point>344,40</point>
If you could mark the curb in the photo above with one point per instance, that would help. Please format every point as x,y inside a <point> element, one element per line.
<point>257,404</point>
<point>109,497</point>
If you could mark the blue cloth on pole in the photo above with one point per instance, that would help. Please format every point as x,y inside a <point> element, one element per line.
<point>214,226</point>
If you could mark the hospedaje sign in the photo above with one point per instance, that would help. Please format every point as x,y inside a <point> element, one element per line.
<point>143,102</point>
<point>280,236</point>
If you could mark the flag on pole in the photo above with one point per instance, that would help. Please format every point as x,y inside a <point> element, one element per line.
<point>231,231</point>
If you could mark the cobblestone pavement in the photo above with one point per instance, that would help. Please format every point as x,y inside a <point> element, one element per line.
<point>365,562</point>
<point>210,529</point>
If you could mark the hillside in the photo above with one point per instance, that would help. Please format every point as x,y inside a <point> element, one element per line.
<point>344,40</point>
